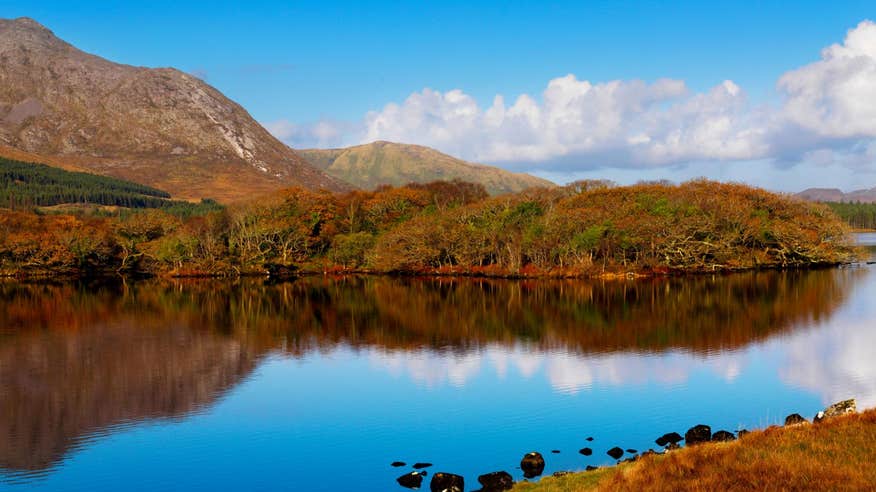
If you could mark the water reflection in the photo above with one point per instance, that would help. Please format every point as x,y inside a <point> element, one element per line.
<point>76,359</point>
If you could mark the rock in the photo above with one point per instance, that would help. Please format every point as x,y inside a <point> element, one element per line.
<point>670,438</point>
<point>795,419</point>
<point>555,451</point>
<point>591,468</point>
<point>632,451</point>
<point>742,432</point>
<point>447,482</point>
<point>615,452</point>
<point>412,480</point>
<point>418,466</point>
<point>697,434</point>
<point>532,464</point>
<point>585,451</point>
<point>561,473</point>
<point>723,435</point>
<point>649,452</point>
<point>840,408</point>
<point>496,481</point>
<point>589,439</point>
<point>280,271</point>
<point>673,446</point>
<point>397,463</point>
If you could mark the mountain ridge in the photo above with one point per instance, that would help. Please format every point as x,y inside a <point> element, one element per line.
<point>156,126</point>
<point>837,195</point>
<point>389,163</point>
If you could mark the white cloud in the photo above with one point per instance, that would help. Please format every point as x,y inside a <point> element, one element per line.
<point>826,116</point>
<point>835,97</point>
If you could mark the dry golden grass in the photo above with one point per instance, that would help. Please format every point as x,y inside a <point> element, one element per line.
<point>835,455</point>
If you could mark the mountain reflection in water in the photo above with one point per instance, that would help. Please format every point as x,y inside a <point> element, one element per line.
<point>78,359</point>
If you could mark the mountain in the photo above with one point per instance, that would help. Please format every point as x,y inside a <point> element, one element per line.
<point>371,165</point>
<point>835,195</point>
<point>158,127</point>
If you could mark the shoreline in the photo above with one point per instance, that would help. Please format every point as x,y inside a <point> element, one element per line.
<point>641,274</point>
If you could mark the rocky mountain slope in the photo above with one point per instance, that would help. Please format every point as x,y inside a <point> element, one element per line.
<point>159,127</point>
<point>371,165</point>
<point>836,195</point>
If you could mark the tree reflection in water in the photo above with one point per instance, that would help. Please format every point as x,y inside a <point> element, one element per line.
<point>77,359</point>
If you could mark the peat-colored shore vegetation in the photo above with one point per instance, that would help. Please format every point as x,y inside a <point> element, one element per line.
<point>590,228</point>
<point>833,455</point>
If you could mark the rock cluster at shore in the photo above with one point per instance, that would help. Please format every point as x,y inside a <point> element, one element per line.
<point>533,464</point>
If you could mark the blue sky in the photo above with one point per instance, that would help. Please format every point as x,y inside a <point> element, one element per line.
<point>299,63</point>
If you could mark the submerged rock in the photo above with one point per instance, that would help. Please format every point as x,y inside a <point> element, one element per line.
<point>697,434</point>
<point>496,481</point>
<point>615,452</point>
<point>670,438</point>
<point>795,419</point>
<point>412,480</point>
<point>840,408</point>
<point>447,482</point>
<point>585,451</point>
<point>532,464</point>
<point>723,435</point>
<point>418,466</point>
<point>397,463</point>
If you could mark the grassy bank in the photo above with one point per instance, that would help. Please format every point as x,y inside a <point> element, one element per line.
<point>833,455</point>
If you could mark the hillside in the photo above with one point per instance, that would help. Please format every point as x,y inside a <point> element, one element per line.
<point>158,127</point>
<point>371,165</point>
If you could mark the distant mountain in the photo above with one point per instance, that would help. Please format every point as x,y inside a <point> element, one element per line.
<point>835,195</point>
<point>371,165</point>
<point>159,127</point>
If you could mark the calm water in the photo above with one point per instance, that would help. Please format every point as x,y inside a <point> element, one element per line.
<point>319,384</point>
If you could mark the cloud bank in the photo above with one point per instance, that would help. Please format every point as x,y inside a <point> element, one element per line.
<point>825,115</point>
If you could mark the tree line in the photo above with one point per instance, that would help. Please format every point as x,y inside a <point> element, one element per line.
<point>26,186</point>
<point>587,228</point>
<point>858,215</point>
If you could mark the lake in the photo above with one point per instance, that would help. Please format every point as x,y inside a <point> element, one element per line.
<point>320,383</point>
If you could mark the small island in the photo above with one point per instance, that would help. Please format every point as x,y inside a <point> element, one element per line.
<point>584,229</point>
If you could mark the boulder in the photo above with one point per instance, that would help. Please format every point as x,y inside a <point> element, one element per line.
<point>589,439</point>
<point>585,451</point>
<point>615,452</point>
<point>447,482</point>
<point>412,480</point>
<point>743,432</point>
<point>397,463</point>
<point>673,446</point>
<point>496,481</point>
<point>632,451</point>
<point>697,434</point>
<point>723,435</point>
<point>795,419</point>
<point>532,464</point>
<point>840,408</point>
<point>418,466</point>
<point>591,468</point>
<point>670,438</point>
